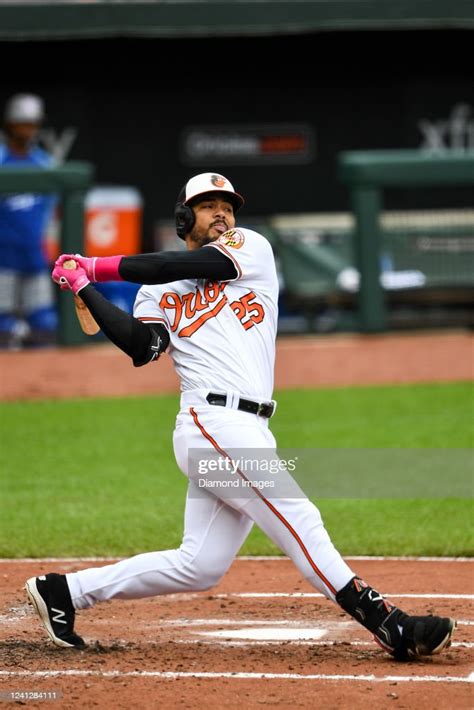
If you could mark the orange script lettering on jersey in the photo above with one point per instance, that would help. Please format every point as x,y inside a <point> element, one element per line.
<point>199,306</point>
<point>206,303</point>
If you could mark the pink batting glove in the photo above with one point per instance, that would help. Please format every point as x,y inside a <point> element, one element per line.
<point>97,268</point>
<point>70,279</point>
<point>84,262</point>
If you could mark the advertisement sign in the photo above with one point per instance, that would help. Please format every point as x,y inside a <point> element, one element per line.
<point>276,144</point>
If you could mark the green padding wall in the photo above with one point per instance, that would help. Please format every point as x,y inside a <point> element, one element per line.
<point>71,20</point>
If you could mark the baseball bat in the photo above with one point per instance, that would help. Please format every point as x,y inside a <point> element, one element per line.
<point>84,316</point>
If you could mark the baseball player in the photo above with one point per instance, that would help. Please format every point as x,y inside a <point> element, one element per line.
<point>213,308</point>
<point>28,312</point>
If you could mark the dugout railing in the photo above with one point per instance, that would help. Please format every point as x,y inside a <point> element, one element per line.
<point>368,175</point>
<point>70,182</point>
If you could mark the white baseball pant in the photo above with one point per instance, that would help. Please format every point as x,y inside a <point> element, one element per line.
<point>216,525</point>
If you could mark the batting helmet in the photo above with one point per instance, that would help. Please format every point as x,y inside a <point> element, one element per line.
<point>24,108</point>
<point>195,188</point>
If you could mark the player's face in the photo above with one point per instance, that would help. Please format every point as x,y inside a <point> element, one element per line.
<point>214,216</point>
<point>23,132</point>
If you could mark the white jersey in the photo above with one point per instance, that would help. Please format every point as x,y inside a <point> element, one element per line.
<point>222,334</point>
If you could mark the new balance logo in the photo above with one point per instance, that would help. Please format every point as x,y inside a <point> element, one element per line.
<point>58,616</point>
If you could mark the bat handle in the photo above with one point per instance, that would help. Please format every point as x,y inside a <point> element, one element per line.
<point>70,264</point>
<point>85,317</point>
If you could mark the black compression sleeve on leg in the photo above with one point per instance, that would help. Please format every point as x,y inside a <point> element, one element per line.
<point>166,266</point>
<point>141,342</point>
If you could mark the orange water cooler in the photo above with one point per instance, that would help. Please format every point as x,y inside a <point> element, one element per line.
<point>112,225</point>
<point>113,221</point>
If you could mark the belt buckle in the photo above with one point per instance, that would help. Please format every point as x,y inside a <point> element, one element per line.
<point>265,407</point>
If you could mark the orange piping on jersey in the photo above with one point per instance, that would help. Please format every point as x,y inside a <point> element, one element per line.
<point>190,329</point>
<point>267,503</point>
<point>227,253</point>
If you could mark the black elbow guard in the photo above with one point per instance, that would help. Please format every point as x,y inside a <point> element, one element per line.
<point>158,341</point>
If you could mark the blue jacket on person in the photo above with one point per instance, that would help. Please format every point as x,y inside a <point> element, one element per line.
<point>24,217</point>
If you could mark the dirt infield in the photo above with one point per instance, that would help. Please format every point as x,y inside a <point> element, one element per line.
<point>337,360</point>
<point>234,647</point>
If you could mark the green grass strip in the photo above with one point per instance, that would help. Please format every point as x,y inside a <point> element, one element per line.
<point>98,476</point>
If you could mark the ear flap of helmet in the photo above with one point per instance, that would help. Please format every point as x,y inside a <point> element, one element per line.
<point>184,218</point>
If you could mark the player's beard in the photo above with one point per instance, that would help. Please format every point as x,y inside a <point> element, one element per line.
<point>199,238</point>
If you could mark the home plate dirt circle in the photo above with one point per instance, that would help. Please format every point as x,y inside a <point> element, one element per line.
<point>237,647</point>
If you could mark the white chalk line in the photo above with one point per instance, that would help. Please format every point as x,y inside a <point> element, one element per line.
<point>184,621</point>
<point>293,642</point>
<point>369,558</point>
<point>246,622</point>
<point>238,676</point>
<point>317,595</point>
<point>189,596</point>
<point>244,558</point>
<point>9,619</point>
<point>261,622</point>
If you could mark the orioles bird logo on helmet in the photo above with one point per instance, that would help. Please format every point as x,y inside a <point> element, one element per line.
<point>218,180</point>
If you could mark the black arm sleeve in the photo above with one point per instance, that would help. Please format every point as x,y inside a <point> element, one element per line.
<point>163,267</point>
<point>142,342</point>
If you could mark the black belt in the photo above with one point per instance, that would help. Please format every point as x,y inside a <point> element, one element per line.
<point>263,409</point>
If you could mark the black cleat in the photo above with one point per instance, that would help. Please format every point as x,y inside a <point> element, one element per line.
<point>424,636</point>
<point>405,637</point>
<point>51,599</point>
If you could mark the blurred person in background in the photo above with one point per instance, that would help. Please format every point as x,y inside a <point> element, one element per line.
<point>28,311</point>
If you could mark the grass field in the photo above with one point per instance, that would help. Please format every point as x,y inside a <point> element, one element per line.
<point>98,476</point>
